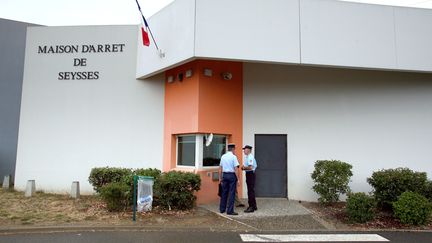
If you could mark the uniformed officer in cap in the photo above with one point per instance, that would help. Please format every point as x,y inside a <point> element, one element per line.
<point>228,174</point>
<point>249,166</point>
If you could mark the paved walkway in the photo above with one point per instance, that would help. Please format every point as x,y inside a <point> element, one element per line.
<point>276,214</point>
<point>267,207</point>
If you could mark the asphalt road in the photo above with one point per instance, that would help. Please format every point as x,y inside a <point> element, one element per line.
<point>135,236</point>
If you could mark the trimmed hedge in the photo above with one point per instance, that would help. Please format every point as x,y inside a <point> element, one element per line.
<point>331,178</point>
<point>176,189</point>
<point>155,173</point>
<point>412,208</point>
<point>428,191</point>
<point>102,176</point>
<point>171,190</point>
<point>389,184</point>
<point>115,195</point>
<point>360,207</point>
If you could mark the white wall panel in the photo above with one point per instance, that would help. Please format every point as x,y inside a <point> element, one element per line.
<point>316,32</point>
<point>414,38</point>
<point>68,127</point>
<point>371,119</point>
<point>347,34</point>
<point>174,30</point>
<point>253,30</point>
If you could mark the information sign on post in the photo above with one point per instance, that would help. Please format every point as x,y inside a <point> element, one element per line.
<point>143,194</point>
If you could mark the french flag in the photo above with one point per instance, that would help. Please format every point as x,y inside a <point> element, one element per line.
<point>144,31</point>
<point>144,28</point>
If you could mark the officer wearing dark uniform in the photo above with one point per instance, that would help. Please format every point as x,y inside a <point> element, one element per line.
<point>249,166</point>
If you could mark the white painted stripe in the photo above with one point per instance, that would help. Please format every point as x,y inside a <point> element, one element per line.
<point>224,216</point>
<point>313,237</point>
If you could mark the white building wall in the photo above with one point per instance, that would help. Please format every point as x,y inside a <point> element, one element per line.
<point>253,30</point>
<point>310,32</point>
<point>174,30</point>
<point>68,127</point>
<point>371,119</point>
<point>347,34</point>
<point>413,33</point>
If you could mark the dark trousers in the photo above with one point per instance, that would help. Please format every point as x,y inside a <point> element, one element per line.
<point>250,182</point>
<point>229,183</point>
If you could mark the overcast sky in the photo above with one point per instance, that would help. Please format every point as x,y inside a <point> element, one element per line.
<point>107,12</point>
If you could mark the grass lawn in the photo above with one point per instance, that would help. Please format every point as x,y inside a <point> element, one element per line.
<point>52,209</point>
<point>45,209</point>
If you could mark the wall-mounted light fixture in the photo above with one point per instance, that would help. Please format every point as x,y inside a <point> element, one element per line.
<point>170,79</point>
<point>226,75</point>
<point>188,73</point>
<point>208,72</point>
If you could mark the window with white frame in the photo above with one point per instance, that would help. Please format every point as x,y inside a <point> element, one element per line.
<point>186,147</point>
<point>199,150</point>
<point>213,152</point>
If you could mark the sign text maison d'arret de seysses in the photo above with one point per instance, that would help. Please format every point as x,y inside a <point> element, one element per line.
<point>80,62</point>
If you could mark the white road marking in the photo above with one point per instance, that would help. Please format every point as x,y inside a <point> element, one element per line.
<point>313,237</point>
<point>224,216</point>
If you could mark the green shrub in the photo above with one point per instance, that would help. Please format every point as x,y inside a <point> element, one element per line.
<point>175,190</point>
<point>103,175</point>
<point>389,184</point>
<point>331,178</point>
<point>360,207</point>
<point>412,208</point>
<point>428,190</point>
<point>155,173</point>
<point>115,195</point>
<point>172,190</point>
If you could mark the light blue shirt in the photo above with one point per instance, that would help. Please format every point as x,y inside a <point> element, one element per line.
<point>250,160</point>
<point>229,162</point>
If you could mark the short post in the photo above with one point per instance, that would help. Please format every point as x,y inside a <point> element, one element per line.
<point>30,188</point>
<point>134,198</point>
<point>75,190</point>
<point>6,182</point>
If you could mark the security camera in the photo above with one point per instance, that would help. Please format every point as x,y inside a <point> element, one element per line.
<point>227,75</point>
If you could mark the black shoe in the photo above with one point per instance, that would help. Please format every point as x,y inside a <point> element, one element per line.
<point>249,210</point>
<point>233,213</point>
<point>222,211</point>
<point>241,205</point>
<point>255,208</point>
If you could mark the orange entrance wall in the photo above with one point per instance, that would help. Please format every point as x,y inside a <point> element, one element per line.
<point>202,105</point>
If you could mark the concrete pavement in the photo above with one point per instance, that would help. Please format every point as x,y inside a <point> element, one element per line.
<point>276,214</point>
<point>267,207</point>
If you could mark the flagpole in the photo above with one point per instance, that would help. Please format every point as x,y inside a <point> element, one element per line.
<point>146,24</point>
<point>151,34</point>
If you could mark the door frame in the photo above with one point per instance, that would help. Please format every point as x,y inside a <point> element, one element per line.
<point>286,152</point>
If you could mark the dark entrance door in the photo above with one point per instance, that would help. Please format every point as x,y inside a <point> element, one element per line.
<point>271,157</point>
